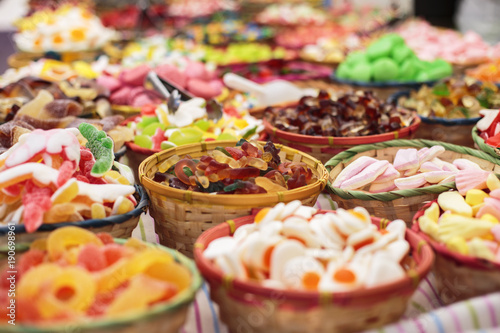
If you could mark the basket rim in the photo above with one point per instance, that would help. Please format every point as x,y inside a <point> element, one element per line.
<point>93,223</point>
<point>180,300</point>
<point>386,84</point>
<point>333,140</point>
<point>209,271</point>
<point>434,120</point>
<point>210,198</point>
<point>482,145</point>
<point>440,248</point>
<point>348,154</point>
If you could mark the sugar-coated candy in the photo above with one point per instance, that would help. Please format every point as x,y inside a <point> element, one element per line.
<point>101,147</point>
<point>236,170</point>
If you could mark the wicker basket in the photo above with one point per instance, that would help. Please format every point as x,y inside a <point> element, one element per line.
<point>323,147</point>
<point>161,318</point>
<point>249,307</point>
<point>459,277</point>
<point>456,131</point>
<point>480,144</point>
<point>119,226</point>
<point>181,216</point>
<point>400,204</point>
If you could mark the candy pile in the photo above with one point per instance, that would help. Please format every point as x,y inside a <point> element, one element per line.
<point>489,127</point>
<point>291,14</point>
<point>299,37</point>
<point>198,8</point>
<point>332,50</point>
<point>349,114</point>
<point>453,98</point>
<point>489,72</point>
<point>157,129</point>
<point>467,222</point>
<point>411,169</point>
<point>245,52</point>
<point>247,168</point>
<point>48,177</point>
<point>390,59</point>
<point>430,43</point>
<point>230,30</point>
<point>67,29</point>
<point>298,248</point>
<point>76,276</point>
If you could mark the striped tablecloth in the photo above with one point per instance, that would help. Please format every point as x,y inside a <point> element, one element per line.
<point>425,313</point>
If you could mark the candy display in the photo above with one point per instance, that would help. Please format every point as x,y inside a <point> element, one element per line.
<point>298,37</point>
<point>389,59</point>
<point>66,29</point>
<point>197,8</point>
<point>488,72</point>
<point>467,222</point>
<point>345,115</point>
<point>453,98</point>
<point>246,169</point>
<point>160,129</point>
<point>291,14</point>
<point>74,276</point>
<point>332,50</point>
<point>411,169</point>
<point>48,177</point>
<point>431,43</point>
<point>298,248</point>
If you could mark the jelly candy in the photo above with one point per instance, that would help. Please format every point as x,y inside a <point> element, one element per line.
<point>251,150</point>
<point>297,180</point>
<point>239,173</point>
<point>168,163</point>
<point>36,201</point>
<point>92,258</point>
<point>62,239</point>
<point>269,185</point>
<point>157,139</point>
<point>236,153</point>
<point>181,173</point>
<point>101,147</point>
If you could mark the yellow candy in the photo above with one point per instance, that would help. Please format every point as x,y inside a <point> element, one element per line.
<point>114,177</point>
<point>433,212</point>
<point>65,193</point>
<point>221,157</point>
<point>457,244</point>
<point>97,211</point>
<point>475,197</point>
<point>454,202</point>
<point>268,185</point>
<point>476,208</point>
<point>111,277</point>
<point>62,239</point>
<point>122,205</point>
<point>492,182</point>
<point>257,163</point>
<point>63,212</point>
<point>489,218</point>
<point>170,272</point>
<point>451,225</point>
<point>479,249</point>
<point>428,226</point>
<point>240,123</point>
<point>168,163</point>
<point>84,69</point>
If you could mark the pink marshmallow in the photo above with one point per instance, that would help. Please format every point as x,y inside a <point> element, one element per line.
<point>425,155</point>
<point>382,187</point>
<point>110,82</point>
<point>492,206</point>
<point>365,177</point>
<point>389,175</point>
<point>353,169</point>
<point>429,166</point>
<point>406,159</point>
<point>415,181</point>
<point>173,74</point>
<point>135,76</point>
<point>496,233</point>
<point>434,177</point>
<point>468,179</point>
<point>464,164</point>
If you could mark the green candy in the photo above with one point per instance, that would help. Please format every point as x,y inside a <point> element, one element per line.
<point>408,70</point>
<point>380,49</point>
<point>226,136</point>
<point>354,58</point>
<point>202,124</point>
<point>147,120</point>
<point>143,141</point>
<point>343,71</point>
<point>402,53</point>
<point>151,128</point>
<point>395,39</point>
<point>439,69</point>
<point>385,69</point>
<point>361,72</point>
<point>423,76</point>
<point>185,136</point>
<point>101,147</point>
<point>164,145</point>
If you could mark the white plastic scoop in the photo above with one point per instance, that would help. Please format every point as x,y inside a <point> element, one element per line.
<point>275,92</point>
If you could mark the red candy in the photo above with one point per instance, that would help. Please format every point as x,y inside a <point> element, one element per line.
<point>92,258</point>
<point>251,150</point>
<point>235,152</point>
<point>239,173</point>
<point>179,170</point>
<point>36,201</point>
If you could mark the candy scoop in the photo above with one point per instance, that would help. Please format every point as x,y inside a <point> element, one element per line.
<point>275,92</point>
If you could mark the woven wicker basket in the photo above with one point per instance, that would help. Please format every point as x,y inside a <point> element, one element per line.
<point>249,307</point>
<point>480,144</point>
<point>400,204</point>
<point>119,226</point>
<point>181,216</point>
<point>323,148</point>
<point>161,318</point>
<point>459,277</point>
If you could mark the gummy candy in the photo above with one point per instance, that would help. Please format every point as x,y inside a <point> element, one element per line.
<point>101,147</point>
<point>36,201</point>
